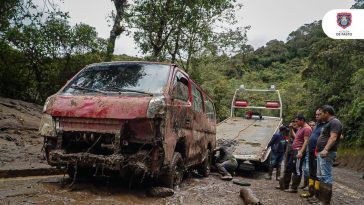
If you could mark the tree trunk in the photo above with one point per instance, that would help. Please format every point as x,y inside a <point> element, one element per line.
<point>117,29</point>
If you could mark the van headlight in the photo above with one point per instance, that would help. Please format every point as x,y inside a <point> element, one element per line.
<point>156,106</point>
<point>45,105</point>
<point>47,126</point>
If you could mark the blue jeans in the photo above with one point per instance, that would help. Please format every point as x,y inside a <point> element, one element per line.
<point>306,172</point>
<point>324,167</point>
<point>276,159</point>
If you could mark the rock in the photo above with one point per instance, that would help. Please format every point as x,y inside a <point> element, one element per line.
<point>160,192</point>
<point>249,197</point>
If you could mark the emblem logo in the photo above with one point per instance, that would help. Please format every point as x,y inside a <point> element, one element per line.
<point>344,19</point>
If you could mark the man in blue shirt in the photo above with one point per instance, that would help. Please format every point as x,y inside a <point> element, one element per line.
<point>312,161</point>
<point>277,144</point>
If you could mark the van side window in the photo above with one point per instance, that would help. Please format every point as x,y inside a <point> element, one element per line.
<point>197,99</point>
<point>180,87</point>
<point>210,111</point>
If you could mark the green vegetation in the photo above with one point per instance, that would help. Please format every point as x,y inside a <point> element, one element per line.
<point>40,51</point>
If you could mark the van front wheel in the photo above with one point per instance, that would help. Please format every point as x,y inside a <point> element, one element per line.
<point>174,175</point>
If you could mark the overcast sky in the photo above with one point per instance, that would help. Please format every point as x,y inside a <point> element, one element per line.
<point>269,19</point>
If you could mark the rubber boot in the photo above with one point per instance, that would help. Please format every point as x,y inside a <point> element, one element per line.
<point>284,181</point>
<point>278,173</point>
<point>310,192</point>
<point>325,193</point>
<point>317,189</point>
<point>270,172</point>
<point>305,183</point>
<point>296,180</point>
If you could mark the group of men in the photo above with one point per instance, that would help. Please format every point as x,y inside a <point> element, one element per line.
<point>317,145</point>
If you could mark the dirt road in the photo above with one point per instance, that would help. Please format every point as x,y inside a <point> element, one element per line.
<point>348,189</point>
<point>20,147</point>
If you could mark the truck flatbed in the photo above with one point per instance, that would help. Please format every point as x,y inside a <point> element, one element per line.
<point>248,137</point>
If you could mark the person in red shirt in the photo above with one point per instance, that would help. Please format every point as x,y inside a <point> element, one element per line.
<point>295,155</point>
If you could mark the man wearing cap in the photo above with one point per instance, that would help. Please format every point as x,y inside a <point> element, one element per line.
<point>277,145</point>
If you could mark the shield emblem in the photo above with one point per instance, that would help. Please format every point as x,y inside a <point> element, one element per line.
<point>344,19</point>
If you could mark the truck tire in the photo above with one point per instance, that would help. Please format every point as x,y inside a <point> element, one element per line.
<point>205,167</point>
<point>263,166</point>
<point>266,163</point>
<point>174,174</point>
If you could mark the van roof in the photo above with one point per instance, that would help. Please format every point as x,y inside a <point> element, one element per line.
<point>131,62</point>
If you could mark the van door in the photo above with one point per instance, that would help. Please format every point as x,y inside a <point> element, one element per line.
<point>199,126</point>
<point>181,114</point>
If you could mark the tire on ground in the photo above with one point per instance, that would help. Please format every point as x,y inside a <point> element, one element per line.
<point>205,168</point>
<point>174,174</point>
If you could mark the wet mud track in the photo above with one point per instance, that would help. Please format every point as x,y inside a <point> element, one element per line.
<point>348,189</point>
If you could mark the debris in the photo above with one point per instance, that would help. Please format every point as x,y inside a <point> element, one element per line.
<point>241,183</point>
<point>226,178</point>
<point>249,197</point>
<point>226,142</point>
<point>160,192</point>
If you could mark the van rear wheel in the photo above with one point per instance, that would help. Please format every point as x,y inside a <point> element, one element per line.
<point>205,167</point>
<point>174,175</point>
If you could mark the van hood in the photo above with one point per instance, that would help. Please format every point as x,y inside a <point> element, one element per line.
<point>108,107</point>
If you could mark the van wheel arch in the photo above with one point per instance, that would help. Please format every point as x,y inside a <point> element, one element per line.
<point>181,147</point>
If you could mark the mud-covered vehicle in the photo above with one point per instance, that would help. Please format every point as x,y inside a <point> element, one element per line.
<point>133,119</point>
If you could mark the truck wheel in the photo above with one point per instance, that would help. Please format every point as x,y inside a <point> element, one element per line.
<point>174,175</point>
<point>263,166</point>
<point>205,167</point>
<point>266,163</point>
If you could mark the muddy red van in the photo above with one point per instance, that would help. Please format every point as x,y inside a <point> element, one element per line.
<point>136,119</point>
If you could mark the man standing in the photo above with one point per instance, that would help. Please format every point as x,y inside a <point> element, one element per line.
<point>294,157</point>
<point>312,162</point>
<point>277,144</point>
<point>327,145</point>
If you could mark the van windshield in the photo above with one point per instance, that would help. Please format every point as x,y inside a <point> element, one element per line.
<point>120,78</point>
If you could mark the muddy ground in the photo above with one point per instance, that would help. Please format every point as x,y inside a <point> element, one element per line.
<point>20,149</point>
<point>20,144</point>
<point>348,189</point>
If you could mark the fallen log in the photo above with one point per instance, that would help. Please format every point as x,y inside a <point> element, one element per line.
<point>248,197</point>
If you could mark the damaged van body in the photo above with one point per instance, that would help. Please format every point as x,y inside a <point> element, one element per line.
<point>136,119</point>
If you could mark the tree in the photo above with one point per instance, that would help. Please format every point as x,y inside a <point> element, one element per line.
<point>154,21</point>
<point>359,4</point>
<point>117,29</point>
<point>299,42</point>
<point>273,51</point>
<point>179,29</point>
<point>40,51</point>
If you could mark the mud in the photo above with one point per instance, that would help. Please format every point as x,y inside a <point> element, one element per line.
<point>20,149</point>
<point>20,144</point>
<point>351,162</point>
<point>194,190</point>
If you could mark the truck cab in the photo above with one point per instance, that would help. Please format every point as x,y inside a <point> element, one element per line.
<point>133,119</point>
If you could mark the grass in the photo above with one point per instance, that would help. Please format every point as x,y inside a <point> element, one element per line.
<point>350,152</point>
